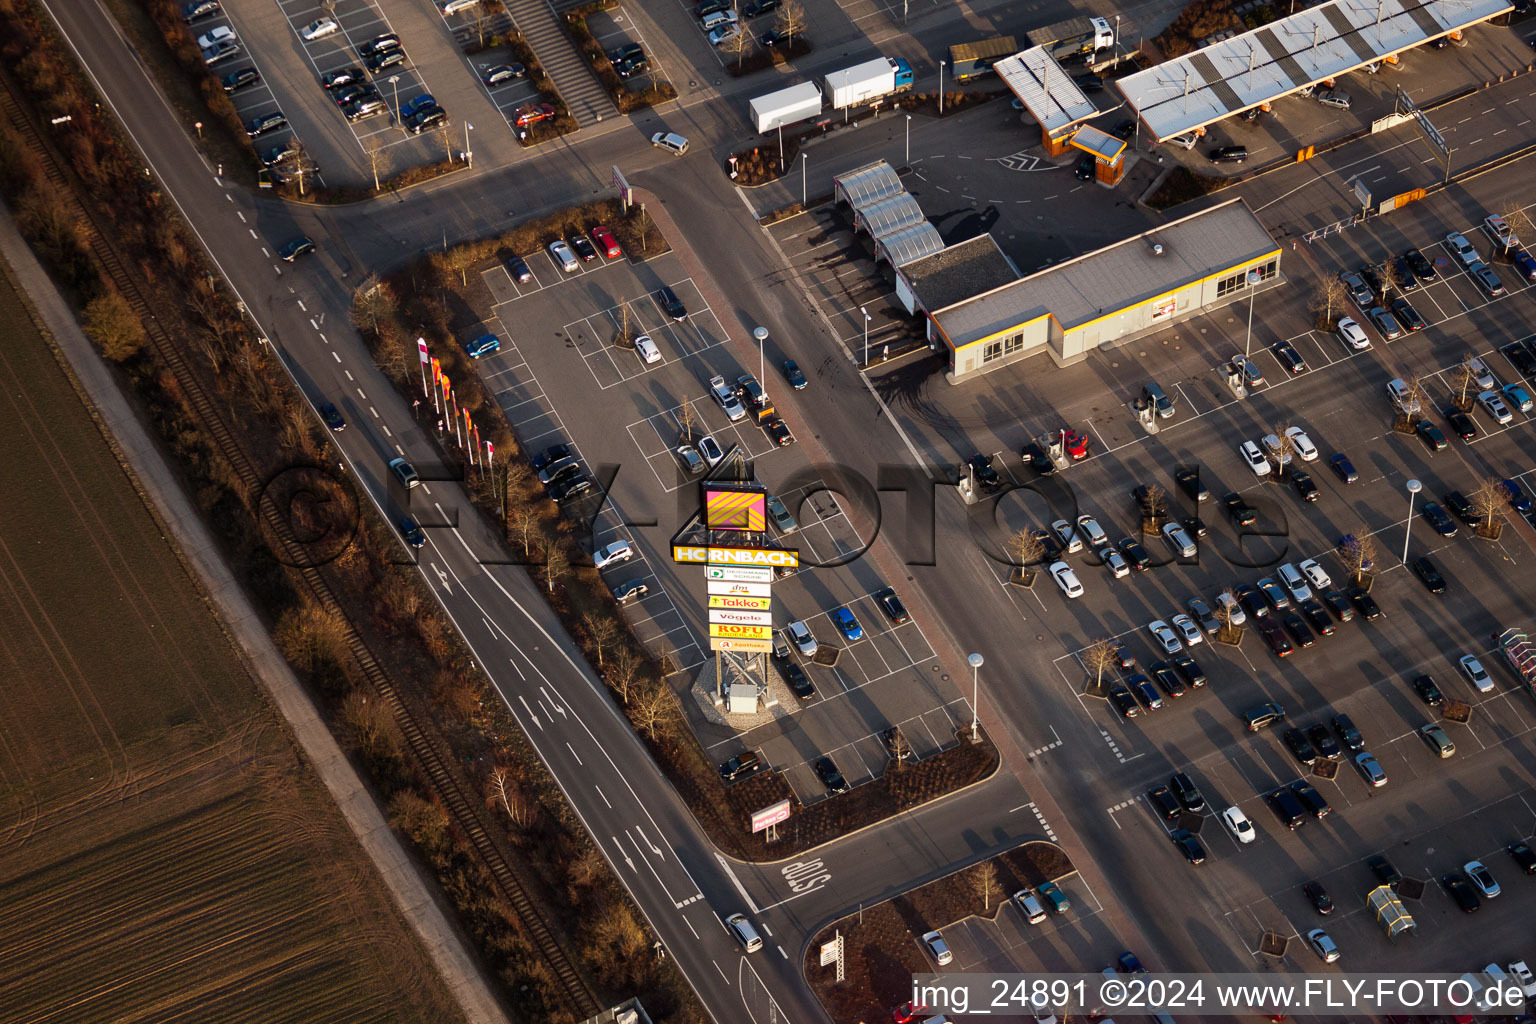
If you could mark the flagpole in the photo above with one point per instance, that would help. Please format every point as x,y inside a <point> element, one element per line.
<point>421,347</point>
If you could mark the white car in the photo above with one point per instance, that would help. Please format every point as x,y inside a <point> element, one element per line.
<point>1481,374</point>
<point>1238,824</point>
<point>1179,541</point>
<point>724,34</point>
<point>671,142</point>
<point>1235,613</point>
<point>1165,637</point>
<point>1523,977</point>
<point>800,635</point>
<point>1066,579</point>
<point>455,6</point>
<point>1316,575</point>
<point>1499,228</point>
<point>1493,403</point>
<point>1255,458</point>
<point>936,946</point>
<point>646,349</point>
<point>1353,334</point>
<point>710,449</point>
<point>214,36</point>
<point>1322,945</point>
<point>319,29</point>
<point>1068,536</point>
<point>690,458</point>
<point>1462,249</point>
<point>1474,671</point>
<point>1305,449</point>
<point>1116,562</point>
<point>1482,878</point>
<point>1089,529</point>
<point>1294,582</point>
<point>1397,390</point>
<point>1029,903</point>
<point>564,256</point>
<point>614,554</point>
<point>1189,628</point>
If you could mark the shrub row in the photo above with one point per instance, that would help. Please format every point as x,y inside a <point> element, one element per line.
<point>628,100</point>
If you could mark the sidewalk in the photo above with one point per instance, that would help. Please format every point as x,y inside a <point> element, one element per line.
<point>454,964</point>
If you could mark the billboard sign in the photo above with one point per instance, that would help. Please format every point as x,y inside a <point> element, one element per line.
<point>739,589</point>
<point>735,508</point>
<point>749,604</point>
<point>728,631</point>
<point>738,618</point>
<point>830,951</point>
<point>759,557</point>
<point>742,646</point>
<point>770,815</point>
<point>738,575</point>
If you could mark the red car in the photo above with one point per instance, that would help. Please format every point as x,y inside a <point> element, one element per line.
<point>907,1012</point>
<point>1076,445</point>
<point>533,113</point>
<point>606,242</point>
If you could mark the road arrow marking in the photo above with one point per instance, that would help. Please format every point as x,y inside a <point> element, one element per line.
<point>621,851</point>
<point>530,712</point>
<point>442,578</point>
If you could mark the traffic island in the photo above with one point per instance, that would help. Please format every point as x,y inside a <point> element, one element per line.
<point>882,947</point>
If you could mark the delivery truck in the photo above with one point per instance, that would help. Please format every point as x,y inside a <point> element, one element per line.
<point>868,81</point>
<point>786,106</point>
<point>973,60</point>
<point>1075,37</point>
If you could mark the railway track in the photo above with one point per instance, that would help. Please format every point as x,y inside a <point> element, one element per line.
<point>579,998</point>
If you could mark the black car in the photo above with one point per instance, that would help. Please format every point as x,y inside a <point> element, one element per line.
<point>1263,716</point>
<point>798,681</point>
<point>1462,892</point>
<point>1428,692</point>
<point>426,119</point>
<point>632,66</point>
<point>585,249</point>
<point>262,124</point>
<point>1164,802</point>
<point>1460,507</point>
<point>1188,845</point>
<point>200,9</point>
<point>1460,423</point>
<point>1519,355</point>
<point>1321,901</point>
<point>1421,267</point>
<point>237,80</point>
<point>1188,479</point>
<point>1125,129</point>
<point>301,246</point>
<point>667,299</point>
<point>1194,526</point>
<point>758,7</point>
<point>503,73</point>
<point>1300,747</point>
<point>826,771</point>
<point>986,475</point>
<point>1371,275</point>
<point>1188,793</point>
<point>1343,468</point>
<point>1311,799</point>
<point>1430,434</point>
<point>1289,357</point>
<point>793,375</point>
<point>344,94</point>
<point>554,453</point>
<point>742,764</point>
<point>571,487</point>
<point>1407,315</point>
<point>413,534</point>
<point>1339,605</point>
<point>377,62</point>
<point>1430,576</point>
<point>1348,734</point>
<point>332,417</point>
<point>1166,678</point>
<point>892,606</point>
<point>1083,170</point>
<point>1317,617</point>
<point>1229,154</point>
<point>519,270</point>
<point>1241,513</point>
<point>1297,627</point>
<point>384,43</point>
<point>1189,668</point>
<point>1135,554</point>
<point>337,79</point>
<point>1124,703</point>
<point>1438,519</point>
<point>1365,604</point>
<point>1406,278</point>
<point>1035,458</point>
<point>1323,740</point>
<point>1523,856</point>
<point>1089,83</point>
<point>1252,601</point>
<point>1050,547</point>
<point>1385,873</point>
<point>1288,809</point>
<point>1306,490</point>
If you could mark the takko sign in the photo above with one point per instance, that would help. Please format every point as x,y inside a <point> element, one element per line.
<point>745,604</point>
<point>771,557</point>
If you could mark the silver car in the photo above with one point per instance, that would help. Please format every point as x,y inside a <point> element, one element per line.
<point>800,635</point>
<point>561,253</point>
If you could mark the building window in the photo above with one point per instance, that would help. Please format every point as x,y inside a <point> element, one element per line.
<point>992,350</point>
<point>1227,285</point>
<point>1003,347</point>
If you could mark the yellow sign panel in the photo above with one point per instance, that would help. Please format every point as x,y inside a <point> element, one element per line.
<point>732,632</point>
<point>735,556</point>
<point>734,509</point>
<point>750,604</point>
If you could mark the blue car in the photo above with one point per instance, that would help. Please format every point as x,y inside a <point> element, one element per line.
<point>1525,264</point>
<point>416,105</point>
<point>793,375</point>
<point>483,346</point>
<point>518,268</point>
<point>848,624</point>
<point>333,417</point>
<point>1343,468</point>
<point>413,534</point>
<point>1517,496</point>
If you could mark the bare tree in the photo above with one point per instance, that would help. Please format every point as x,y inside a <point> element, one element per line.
<point>1226,603</point>
<point>624,671</point>
<point>373,303</point>
<point>556,565</point>
<point>687,418</point>
<point>1328,302</point>
<point>1518,220</point>
<point>1029,550</point>
<point>1490,500</point>
<point>738,45</point>
<point>458,260</point>
<point>501,790</point>
<point>626,337</point>
<point>1358,553</point>
<point>602,631</point>
<point>899,746</point>
<point>1154,508</point>
<point>1099,657</point>
<point>371,725</point>
<point>1391,275</point>
<point>791,20</point>
<point>481,21</point>
<point>1413,399</point>
<point>984,879</point>
<point>522,523</point>
<point>113,325</point>
<point>1283,452</point>
<point>446,138</point>
<point>1463,382</point>
<point>650,708</point>
<point>373,149</point>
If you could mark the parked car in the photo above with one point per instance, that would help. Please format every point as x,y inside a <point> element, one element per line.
<point>564,258</point>
<point>501,74</point>
<point>1478,676</point>
<point>741,765</point>
<point>1370,769</point>
<point>826,771</point>
<point>1318,896</point>
<point>1353,334</point>
<point>1263,716</point>
<point>319,29</point>
<point>671,142</point>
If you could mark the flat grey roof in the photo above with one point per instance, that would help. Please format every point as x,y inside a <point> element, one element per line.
<point>1101,283</point>
<point>959,271</point>
<point>890,214</point>
<point>1256,67</point>
<point>1101,144</point>
<point>1046,90</point>
<point>911,243</point>
<point>869,184</point>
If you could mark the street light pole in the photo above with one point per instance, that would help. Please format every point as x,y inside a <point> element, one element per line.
<point>761,334</point>
<point>976,661</point>
<point>469,154</point>
<point>394,80</point>
<point>941,87</point>
<point>1254,277</point>
<point>803,158</point>
<point>866,335</point>
<point>1413,488</point>
<point>909,140</point>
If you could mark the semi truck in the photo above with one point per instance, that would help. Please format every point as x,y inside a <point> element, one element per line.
<point>786,106</point>
<point>1075,37</point>
<point>973,60</point>
<point>868,81</point>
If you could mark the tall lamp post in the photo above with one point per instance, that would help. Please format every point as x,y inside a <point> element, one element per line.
<point>909,140</point>
<point>941,87</point>
<point>761,334</point>
<point>394,80</point>
<point>1414,487</point>
<point>1254,277</point>
<point>469,154</point>
<point>976,661</point>
<point>866,335</point>
<point>803,158</point>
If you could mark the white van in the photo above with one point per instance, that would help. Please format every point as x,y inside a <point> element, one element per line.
<point>744,932</point>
